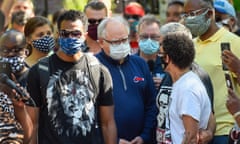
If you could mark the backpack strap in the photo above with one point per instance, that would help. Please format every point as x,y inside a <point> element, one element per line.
<point>96,76</point>
<point>93,66</point>
<point>44,74</point>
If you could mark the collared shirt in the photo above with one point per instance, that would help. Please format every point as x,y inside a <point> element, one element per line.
<point>208,56</point>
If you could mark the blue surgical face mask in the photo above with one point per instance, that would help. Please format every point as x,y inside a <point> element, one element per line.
<point>149,46</point>
<point>71,46</point>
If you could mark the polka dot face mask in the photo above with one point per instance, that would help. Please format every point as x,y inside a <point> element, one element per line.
<point>17,63</point>
<point>44,44</point>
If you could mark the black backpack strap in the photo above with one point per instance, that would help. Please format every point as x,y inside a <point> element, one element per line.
<point>93,66</point>
<point>44,74</point>
<point>95,74</point>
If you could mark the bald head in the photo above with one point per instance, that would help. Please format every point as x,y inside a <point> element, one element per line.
<point>12,39</point>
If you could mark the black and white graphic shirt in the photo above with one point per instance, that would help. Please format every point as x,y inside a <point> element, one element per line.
<point>163,101</point>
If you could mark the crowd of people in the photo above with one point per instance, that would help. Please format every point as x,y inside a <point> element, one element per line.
<point>95,77</point>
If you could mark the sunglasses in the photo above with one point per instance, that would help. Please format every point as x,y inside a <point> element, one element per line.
<point>66,34</point>
<point>135,17</point>
<point>94,21</point>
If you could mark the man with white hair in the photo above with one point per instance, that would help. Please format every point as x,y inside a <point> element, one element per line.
<point>133,89</point>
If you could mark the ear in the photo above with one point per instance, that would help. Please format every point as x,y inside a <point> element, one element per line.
<point>232,21</point>
<point>167,59</point>
<point>26,52</point>
<point>100,42</point>
<point>28,40</point>
<point>85,35</point>
<point>211,13</point>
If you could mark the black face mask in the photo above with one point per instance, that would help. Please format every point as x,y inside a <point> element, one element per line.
<point>218,19</point>
<point>163,63</point>
<point>20,18</point>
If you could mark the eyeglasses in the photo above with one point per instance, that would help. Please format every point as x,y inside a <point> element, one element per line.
<point>94,21</point>
<point>193,13</point>
<point>135,17</point>
<point>16,50</point>
<point>66,34</point>
<point>153,37</point>
<point>117,42</point>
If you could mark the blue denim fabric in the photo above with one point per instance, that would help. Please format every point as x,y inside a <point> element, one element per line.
<point>223,139</point>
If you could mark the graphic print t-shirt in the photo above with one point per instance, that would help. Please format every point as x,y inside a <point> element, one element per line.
<point>69,110</point>
<point>163,101</point>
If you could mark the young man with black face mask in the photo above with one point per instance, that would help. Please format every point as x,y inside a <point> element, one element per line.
<point>199,18</point>
<point>19,20</point>
<point>189,106</point>
<point>95,11</point>
<point>11,7</point>
<point>71,102</point>
<point>163,97</point>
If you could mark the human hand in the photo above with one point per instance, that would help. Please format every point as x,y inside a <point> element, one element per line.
<point>15,97</point>
<point>6,89</point>
<point>137,140</point>
<point>232,61</point>
<point>233,102</point>
<point>123,141</point>
<point>205,136</point>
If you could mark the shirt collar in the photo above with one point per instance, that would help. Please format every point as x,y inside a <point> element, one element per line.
<point>215,37</point>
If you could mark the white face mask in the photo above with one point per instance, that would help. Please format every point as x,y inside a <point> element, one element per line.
<point>118,52</point>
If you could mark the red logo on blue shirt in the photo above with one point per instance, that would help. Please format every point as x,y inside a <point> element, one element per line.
<point>137,79</point>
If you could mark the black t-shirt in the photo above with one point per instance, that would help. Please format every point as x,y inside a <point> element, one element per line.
<point>67,109</point>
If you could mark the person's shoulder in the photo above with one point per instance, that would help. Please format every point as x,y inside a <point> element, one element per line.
<point>228,35</point>
<point>136,58</point>
<point>91,57</point>
<point>99,55</point>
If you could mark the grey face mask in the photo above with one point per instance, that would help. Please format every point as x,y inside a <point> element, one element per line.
<point>199,24</point>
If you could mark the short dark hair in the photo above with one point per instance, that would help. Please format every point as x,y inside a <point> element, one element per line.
<point>72,15</point>
<point>204,3</point>
<point>96,5</point>
<point>148,20</point>
<point>176,2</point>
<point>180,49</point>
<point>207,3</point>
<point>56,15</point>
